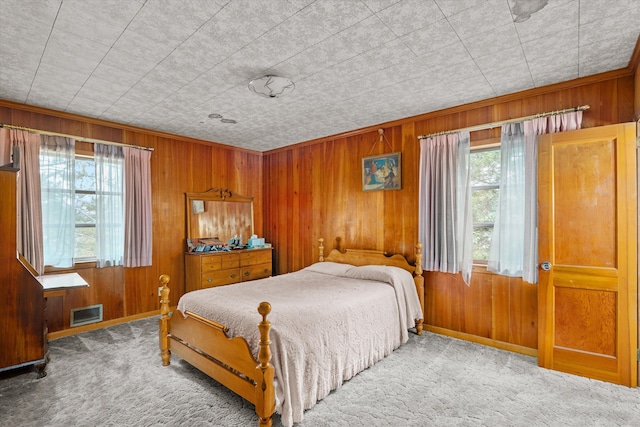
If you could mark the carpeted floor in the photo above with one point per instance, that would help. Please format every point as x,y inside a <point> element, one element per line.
<point>114,377</point>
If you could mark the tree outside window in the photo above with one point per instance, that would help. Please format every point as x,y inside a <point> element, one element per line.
<point>485,185</point>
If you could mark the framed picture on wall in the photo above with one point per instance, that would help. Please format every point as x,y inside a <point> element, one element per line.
<point>383,172</point>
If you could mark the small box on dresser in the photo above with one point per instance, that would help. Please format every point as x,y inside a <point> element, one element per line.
<point>205,270</point>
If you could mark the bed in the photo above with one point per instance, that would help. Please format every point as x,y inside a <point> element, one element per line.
<point>331,320</point>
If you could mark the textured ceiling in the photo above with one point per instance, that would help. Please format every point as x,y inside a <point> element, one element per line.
<point>168,64</point>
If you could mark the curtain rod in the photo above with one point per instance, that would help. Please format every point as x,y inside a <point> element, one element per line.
<point>503,122</point>
<point>77,138</point>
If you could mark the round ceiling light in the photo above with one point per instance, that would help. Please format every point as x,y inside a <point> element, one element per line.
<point>272,86</point>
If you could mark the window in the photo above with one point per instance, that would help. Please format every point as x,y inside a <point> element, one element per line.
<point>485,185</point>
<point>70,203</point>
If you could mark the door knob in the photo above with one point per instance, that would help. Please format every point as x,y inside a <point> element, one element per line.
<point>546,266</point>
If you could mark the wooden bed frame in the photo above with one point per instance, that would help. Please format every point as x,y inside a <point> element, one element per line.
<point>206,345</point>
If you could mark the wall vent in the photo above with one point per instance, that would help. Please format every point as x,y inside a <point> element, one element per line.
<point>86,315</point>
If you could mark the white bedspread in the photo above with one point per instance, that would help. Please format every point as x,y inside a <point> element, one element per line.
<point>328,322</point>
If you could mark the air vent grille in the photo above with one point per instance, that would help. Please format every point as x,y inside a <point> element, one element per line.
<point>86,315</point>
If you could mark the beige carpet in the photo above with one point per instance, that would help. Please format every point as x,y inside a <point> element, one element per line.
<point>114,377</point>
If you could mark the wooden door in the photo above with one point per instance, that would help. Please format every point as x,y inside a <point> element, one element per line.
<point>587,232</point>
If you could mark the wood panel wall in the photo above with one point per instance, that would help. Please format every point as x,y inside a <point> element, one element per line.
<point>178,165</point>
<point>314,190</point>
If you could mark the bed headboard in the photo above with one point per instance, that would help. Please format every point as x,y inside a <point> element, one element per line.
<point>367,257</point>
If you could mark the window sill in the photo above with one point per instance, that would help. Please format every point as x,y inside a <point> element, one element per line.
<point>76,266</point>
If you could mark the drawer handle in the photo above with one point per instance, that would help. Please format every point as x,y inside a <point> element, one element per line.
<point>210,279</point>
<point>266,270</point>
<point>233,276</point>
<point>246,273</point>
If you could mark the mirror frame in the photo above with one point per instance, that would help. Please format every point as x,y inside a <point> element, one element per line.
<point>213,195</point>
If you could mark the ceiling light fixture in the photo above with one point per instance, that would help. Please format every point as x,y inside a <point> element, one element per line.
<point>272,86</point>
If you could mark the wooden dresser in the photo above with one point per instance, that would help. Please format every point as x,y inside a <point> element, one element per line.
<point>23,330</point>
<point>223,268</point>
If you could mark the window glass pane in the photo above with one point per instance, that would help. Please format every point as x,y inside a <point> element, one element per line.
<point>481,242</point>
<point>485,185</point>
<point>485,167</point>
<point>484,205</point>
<point>85,234</point>
<point>85,174</point>
<point>85,242</point>
<point>85,209</point>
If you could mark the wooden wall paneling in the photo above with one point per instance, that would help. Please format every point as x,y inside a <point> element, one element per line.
<point>410,147</point>
<point>5,115</point>
<point>501,312</point>
<point>441,297</point>
<point>284,208</point>
<point>175,174</point>
<point>479,310</point>
<point>294,205</point>
<point>306,235</point>
<point>515,310</point>
<point>366,209</point>
<point>529,315</point>
<point>204,166</point>
<point>269,234</point>
<point>74,127</point>
<point>106,133</point>
<point>107,288</point>
<point>394,237</point>
<point>318,212</point>
<point>625,97</point>
<point>254,169</point>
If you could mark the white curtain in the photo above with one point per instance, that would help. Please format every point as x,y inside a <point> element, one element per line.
<point>445,223</point>
<point>514,245</point>
<point>57,174</point>
<point>507,241</point>
<point>532,128</point>
<point>109,161</point>
<point>138,225</point>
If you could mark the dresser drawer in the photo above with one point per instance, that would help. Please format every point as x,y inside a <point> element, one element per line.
<point>220,277</point>
<point>253,272</point>
<point>210,263</point>
<point>255,256</point>
<point>230,261</point>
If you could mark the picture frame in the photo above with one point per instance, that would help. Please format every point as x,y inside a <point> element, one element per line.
<point>197,206</point>
<point>382,172</point>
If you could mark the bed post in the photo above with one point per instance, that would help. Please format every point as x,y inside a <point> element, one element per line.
<point>265,393</point>
<point>164,320</point>
<point>321,249</point>
<point>419,281</point>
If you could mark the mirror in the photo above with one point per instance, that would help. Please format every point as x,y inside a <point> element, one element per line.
<point>219,213</point>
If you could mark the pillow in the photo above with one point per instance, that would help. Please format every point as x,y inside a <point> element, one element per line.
<point>329,267</point>
<point>380,273</point>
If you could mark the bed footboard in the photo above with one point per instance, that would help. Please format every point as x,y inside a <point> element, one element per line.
<point>206,345</point>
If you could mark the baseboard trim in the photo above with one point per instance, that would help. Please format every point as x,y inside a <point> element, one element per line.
<point>91,327</point>
<point>484,341</point>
